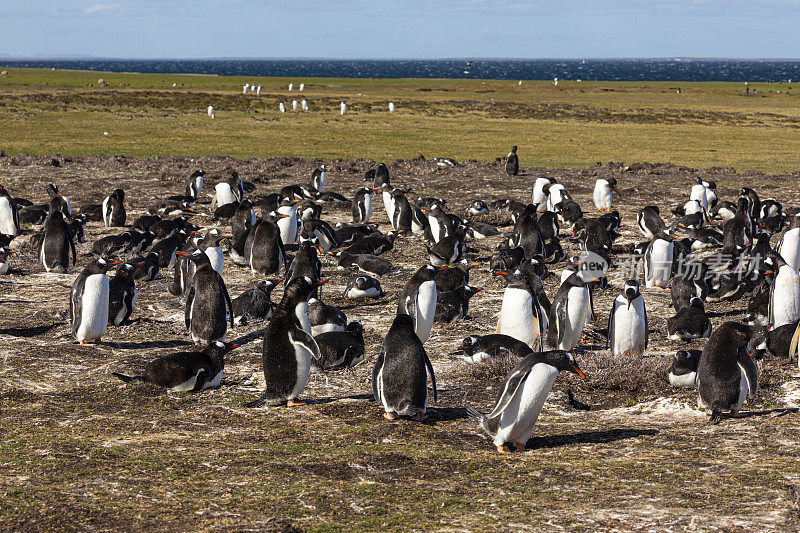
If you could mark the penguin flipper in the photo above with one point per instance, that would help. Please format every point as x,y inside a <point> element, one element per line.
<point>646,325</point>
<point>227,297</point>
<point>795,342</point>
<point>430,371</point>
<point>71,244</point>
<point>188,310</point>
<point>512,384</point>
<point>561,321</point>
<point>127,379</point>
<point>610,335</point>
<point>750,370</point>
<point>299,335</point>
<point>591,303</point>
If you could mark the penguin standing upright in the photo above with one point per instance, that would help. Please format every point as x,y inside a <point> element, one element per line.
<point>569,312</point>
<point>520,316</point>
<point>211,246</point>
<point>418,300</point>
<point>114,213</point>
<point>318,178</point>
<point>699,193</point>
<point>658,261</point>
<point>522,397</point>
<point>263,249</point>
<point>186,371</point>
<point>789,245</point>
<point>512,162</point>
<point>399,378</point>
<point>225,193</point>
<point>650,222</point>
<point>287,223</point>
<point>362,205</point>
<point>784,303</point>
<point>88,302</point>
<point>194,184</point>
<point>726,374</point>
<point>56,245</point>
<point>288,348</point>
<point>627,323</point>
<point>9,219</point>
<point>539,193</point>
<point>61,202</point>
<point>207,302</point>
<point>603,188</point>
<point>122,295</point>
<point>388,201</point>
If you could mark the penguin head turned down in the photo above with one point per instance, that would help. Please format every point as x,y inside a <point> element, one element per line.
<point>631,291</point>
<point>297,291</point>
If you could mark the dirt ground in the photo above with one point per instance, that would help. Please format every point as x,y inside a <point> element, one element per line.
<point>80,450</point>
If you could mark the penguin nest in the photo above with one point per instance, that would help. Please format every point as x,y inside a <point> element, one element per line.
<point>497,217</point>
<point>492,371</point>
<point>630,374</point>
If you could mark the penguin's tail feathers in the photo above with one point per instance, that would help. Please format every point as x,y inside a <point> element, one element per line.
<point>127,379</point>
<point>476,416</point>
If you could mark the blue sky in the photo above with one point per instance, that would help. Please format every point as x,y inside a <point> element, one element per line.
<point>407,29</point>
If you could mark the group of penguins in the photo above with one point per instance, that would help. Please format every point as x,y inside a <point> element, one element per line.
<point>304,333</point>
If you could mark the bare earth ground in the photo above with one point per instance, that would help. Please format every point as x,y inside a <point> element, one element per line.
<point>79,450</point>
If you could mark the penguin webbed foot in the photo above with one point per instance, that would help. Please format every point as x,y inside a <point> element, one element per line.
<point>503,450</point>
<point>390,416</point>
<point>291,402</point>
<point>716,418</point>
<point>520,447</point>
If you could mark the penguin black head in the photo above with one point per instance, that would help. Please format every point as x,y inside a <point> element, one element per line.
<point>198,257</point>
<point>100,266</point>
<point>52,190</point>
<point>369,175</point>
<point>514,149</point>
<point>219,348</point>
<point>356,328</point>
<point>466,344</point>
<point>685,361</point>
<point>697,303</point>
<point>298,290</point>
<point>468,291</point>
<point>426,273</point>
<point>267,286</point>
<point>120,194</point>
<point>563,361</point>
<point>631,291</point>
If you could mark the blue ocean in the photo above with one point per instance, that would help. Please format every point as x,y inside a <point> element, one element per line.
<point>501,69</point>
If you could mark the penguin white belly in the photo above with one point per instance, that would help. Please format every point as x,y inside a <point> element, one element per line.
<point>602,195</point>
<point>684,381</point>
<point>629,332</point>
<point>7,217</point>
<point>367,207</point>
<point>538,196</point>
<point>786,297</point>
<point>106,212</point>
<point>554,198</point>
<point>301,312</point>
<point>325,328</point>
<point>436,229</point>
<point>94,308</point>
<point>303,357</point>
<point>691,207</point>
<point>388,204</point>
<point>660,270</point>
<point>476,357</point>
<point>577,317</point>
<point>189,384</point>
<point>3,267</point>
<point>426,308</point>
<point>224,194</point>
<point>516,316</point>
<point>518,419</point>
<point>699,194</point>
<point>371,292</point>
<point>744,390</point>
<point>288,227</point>
<point>726,214</point>
<point>381,395</point>
<point>790,248</point>
<point>216,257</point>
<point>214,383</point>
<point>69,206</point>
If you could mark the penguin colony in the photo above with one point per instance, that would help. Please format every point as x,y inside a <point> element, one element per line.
<point>282,238</point>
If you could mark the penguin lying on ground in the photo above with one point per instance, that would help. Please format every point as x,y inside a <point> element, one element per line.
<point>324,317</point>
<point>340,349</point>
<point>475,349</point>
<point>363,286</point>
<point>254,304</point>
<point>683,372</point>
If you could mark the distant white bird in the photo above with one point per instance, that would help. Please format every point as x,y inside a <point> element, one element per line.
<point>174,84</point>
<point>253,88</point>
<point>520,82</point>
<point>555,82</point>
<point>282,107</point>
<point>391,107</point>
<point>302,86</point>
<point>245,87</point>
<point>258,90</point>
<point>294,105</point>
<point>210,111</point>
<point>342,108</point>
<point>304,105</point>
<point>291,86</point>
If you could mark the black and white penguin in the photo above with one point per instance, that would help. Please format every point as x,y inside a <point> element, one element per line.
<point>212,248</point>
<point>402,211</point>
<point>147,268</point>
<point>318,178</point>
<point>363,286</point>
<point>186,371</point>
<point>789,247</point>
<point>320,233</point>
<point>540,190</point>
<point>784,305</point>
<point>340,349</point>
<point>400,375</point>
<point>699,194</point>
<point>9,218</point>
<point>166,248</point>
<point>288,348</point>
<point>724,211</point>
<point>88,302</point>
<point>122,295</point>
<point>287,223</point>
<point>263,249</point>
<point>556,194</point>
<point>475,349</point>
<point>454,305</point>
<point>690,322</point>
<point>254,304</point>
<point>111,245</point>
<point>683,372</point>
<point>569,312</point>
<point>477,207</point>
<point>627,322</point>
<point>114,214</point>
<point>737,233</point>
<point>144,222</point>
<point>5,251</point>
<point>512,162</point>
<point>658,259</point>
<point>61,202</point>
<point>56,245</point>
<point>228,191</point>
<point>603,188</point>
<point>194,184</point>
<point>726,374</point>
<point>686,287</point>
<point>522,397</point>
<point>521,315</point>
<point>649,222</point>
<point>139,241</point>
<point>371,264</point>
<point>449,250</point>
<point>451,278</point>
<point>362,205</point>
<point>324,317</point>
<point>418,300</point>
<point>207,302</point>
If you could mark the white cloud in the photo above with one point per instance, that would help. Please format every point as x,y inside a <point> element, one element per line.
<point>101,8</point>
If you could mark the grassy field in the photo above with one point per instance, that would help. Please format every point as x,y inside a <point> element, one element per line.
<point>572,125</point>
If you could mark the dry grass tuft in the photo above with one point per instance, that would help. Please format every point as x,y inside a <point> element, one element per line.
<point>632,375</point>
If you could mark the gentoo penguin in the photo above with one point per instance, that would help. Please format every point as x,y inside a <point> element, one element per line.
<point>112,245</point>
<point>114,213</point>
<point>789,247</point>
<point>122,295</point>
<point>139,241</point>
<point>61,202</point>
<point>340,349</point>
<point>448,251</point>
<point>287,223</point>
<point>144,222</point>
<point>539,192</point>
<point>753,204</point>
<point>603,188</point>
<point>166,248</point>
<point>451,278</point>
<point>207,302</point>
<point>658,259</point>
<point>288,348</point>
<point>9,219</point>
<point>363,286</point>
<point>194,184</point>
<point>56,245</point>
<point>454,305</point>
<point>723,210</point>
<point>402,213</point>
<point>254,304</point>
<point>699,194</point>
<point>520,314</point>
<point>186,371</point>
<point>686,287</point>
<point>147,268</point>
<point>88,302</point>
<point>522,397</point>
<point>388,200</point>
<point>318,178</point>
<point>627,323</point>
<point>324,317</point>
<point>475,349</point>
<point>371,264</point>
<point>569,312</point>
<point>649,222</point>
<point>726,374</point>
<point>690,322</point>
<point>4,253</point>
<point>320,233</point>
<point>512,162</point>
<point>362,205</point>
<point>477,207</point>
<point>556,194</point>
<point>211,246</point>
<point>784,305</point>
<point>683,372</point>
<point>399,378</point>
<point>225,193</point>
<point>737,233</point>
<point>481,230</point>
<point>418,300</point>
<point>263,249</point>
